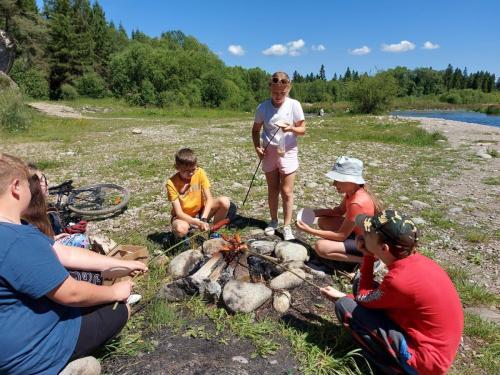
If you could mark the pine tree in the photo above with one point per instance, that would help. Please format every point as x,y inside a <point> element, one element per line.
<point>101,34</point>
<point>498,84</point>
<point>348,75</point>
<point>334,77</point>
<point>465,79</point>
<point>297,78</point>
<point>83,39</point>
<point>447,77</point>
<point>456,80</point>
<point>322,75</point>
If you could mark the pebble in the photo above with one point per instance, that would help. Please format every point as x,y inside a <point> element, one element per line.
<point>136,131</point>
<point>418,221</point>
<point>455,210</point>
<point>418,205</point>
<point>240,359</point>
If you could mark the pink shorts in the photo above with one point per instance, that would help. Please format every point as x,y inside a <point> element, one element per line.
<point>286,164</point>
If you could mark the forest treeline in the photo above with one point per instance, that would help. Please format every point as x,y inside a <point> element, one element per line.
<point>69,49</point>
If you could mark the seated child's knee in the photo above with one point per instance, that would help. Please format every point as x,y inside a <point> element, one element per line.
<point>225,202</point>
<point>180,228</point>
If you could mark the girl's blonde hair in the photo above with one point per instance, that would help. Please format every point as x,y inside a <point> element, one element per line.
<point>280,79</point>
<point>376,202</point>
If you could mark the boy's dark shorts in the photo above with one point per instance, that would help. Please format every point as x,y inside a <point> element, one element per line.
<point>350,246</point>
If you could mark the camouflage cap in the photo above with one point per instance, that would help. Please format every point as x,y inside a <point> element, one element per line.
<point>394,228</point>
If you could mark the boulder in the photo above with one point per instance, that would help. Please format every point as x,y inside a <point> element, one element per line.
<point>288,280</point>
<point>184,263</point>
<point>240,296</point>
<point>82,366</point>
<point>418,205</point>
<point>261,246</point>
<point>212,246</point>
<point>290,251</point>
<point>281,301</point>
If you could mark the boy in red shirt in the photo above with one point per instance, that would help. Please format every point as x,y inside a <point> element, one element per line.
<point>413,321</point>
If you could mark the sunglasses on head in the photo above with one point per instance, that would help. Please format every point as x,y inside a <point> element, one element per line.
<point>282,81</point>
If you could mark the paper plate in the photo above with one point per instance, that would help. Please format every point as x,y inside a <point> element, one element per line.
<point>306,215</point>
<point>281,124</point>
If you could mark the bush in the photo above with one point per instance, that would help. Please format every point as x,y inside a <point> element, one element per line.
<point>373,94</point>
<point>172,99</point>
<point>13,115</point>
<point>68,92</point>
<point>493,109</point>
<point>466,96</point>
<point>33,82</point>
<point>91,85</point>
<point>451,97</point>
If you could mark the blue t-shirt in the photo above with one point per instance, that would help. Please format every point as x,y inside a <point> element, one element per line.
<point>36,334</point>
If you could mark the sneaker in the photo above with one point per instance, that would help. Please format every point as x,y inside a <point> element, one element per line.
<point>287,233</point>
<point>133,298</point>
<point>271,228</point>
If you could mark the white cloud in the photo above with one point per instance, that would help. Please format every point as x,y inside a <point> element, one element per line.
<point>360,51</point>
<point>430,45</point>
<point>403,46</point>
<point>276,50</point>
<point>236,50</point>
<point>318,48</point>
<point>293,48</point>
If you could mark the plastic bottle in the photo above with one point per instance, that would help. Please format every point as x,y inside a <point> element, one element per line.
<point>281,142</point>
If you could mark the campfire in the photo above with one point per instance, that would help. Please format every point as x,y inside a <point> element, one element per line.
<point>244,274</point>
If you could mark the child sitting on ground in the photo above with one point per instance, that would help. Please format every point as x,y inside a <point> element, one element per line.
<point>47,317</point>
<point>412,322</point>
<point>336,225</point>
<point>192,201</point>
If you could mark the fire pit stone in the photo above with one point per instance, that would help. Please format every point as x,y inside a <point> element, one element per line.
<point>282,300</point>
<point>289,251</point>
<point>287,280</point>
<point>262,246</point>
<point>241,296</point>
<point>212,246</point>
<point>184,263</point>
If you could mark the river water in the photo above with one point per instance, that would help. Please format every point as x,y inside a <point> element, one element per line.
<point>464,116</point>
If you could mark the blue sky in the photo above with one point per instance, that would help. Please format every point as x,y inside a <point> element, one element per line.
<point>366,35</point>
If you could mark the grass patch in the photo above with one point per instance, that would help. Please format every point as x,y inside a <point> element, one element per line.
<point>491,181</point>
<point>471,294</point>
<point>437,218</point>
<point>488,334</point>
<point>477,236</point>
<point>369,129</point>
<point>492,152</point>
<point>325,348</point>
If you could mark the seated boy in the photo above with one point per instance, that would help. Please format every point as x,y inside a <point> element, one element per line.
<point>47,317</point>
<point>189,192</point>
<point>412,322</point>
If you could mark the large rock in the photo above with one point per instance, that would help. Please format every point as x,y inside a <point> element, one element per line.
<point>240,296</point>
<point>262,246</point>
<point>179,290</point>
<point>212,246</point>
<point>291,252</point>
<point>82,366</point>
<point>418,205</point>
<point>184,263</point>
<point>288,280</point>
<point>281,301</point>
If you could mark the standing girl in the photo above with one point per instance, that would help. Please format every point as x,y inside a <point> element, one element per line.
<point>337,226</point>
<point>279,160</point>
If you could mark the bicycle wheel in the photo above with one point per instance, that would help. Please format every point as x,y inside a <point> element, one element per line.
<point>99,199</point>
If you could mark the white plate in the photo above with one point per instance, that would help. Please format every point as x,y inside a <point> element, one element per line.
<point>306,215</point>
<point>281,124</point>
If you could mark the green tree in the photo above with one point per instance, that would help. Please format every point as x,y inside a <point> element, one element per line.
<point>347,75</point>
<point>447,77</point>
<point>103,40</point>
<point>373,94</point>
<point>322,74</point>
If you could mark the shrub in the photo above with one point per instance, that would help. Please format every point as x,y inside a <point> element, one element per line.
<point>172,99</point>
<point>493,109</point>
<point>68,92</point>
<point>33,82</point>
<point>91,85</point>
<point>13,115</point>
<point>373,94</point>
<point>451,97</point>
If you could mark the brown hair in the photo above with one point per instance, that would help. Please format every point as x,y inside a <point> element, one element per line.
<point>185,157</point>
<point>397,251</point>
<point>36,213</point>
<point>376,202</point>
<point>10,169</point>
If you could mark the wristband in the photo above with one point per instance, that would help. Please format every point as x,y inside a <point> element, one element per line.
<point>204,219</point>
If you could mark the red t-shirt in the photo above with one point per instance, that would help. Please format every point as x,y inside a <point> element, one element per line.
<point>358,203</point>
<point>419,297</point>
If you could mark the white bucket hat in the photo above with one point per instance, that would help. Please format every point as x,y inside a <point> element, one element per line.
<point>347,169</point>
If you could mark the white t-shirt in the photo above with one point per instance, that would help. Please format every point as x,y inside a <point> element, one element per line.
<point>290,112</point>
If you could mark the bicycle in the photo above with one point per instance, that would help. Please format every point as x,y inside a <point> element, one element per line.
<point>94,200</point>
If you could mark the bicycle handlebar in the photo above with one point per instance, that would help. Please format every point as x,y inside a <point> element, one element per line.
<point>65,186</point>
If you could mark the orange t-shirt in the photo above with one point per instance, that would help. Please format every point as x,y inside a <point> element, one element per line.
<point>192,199</point>
<point>359,203</point>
